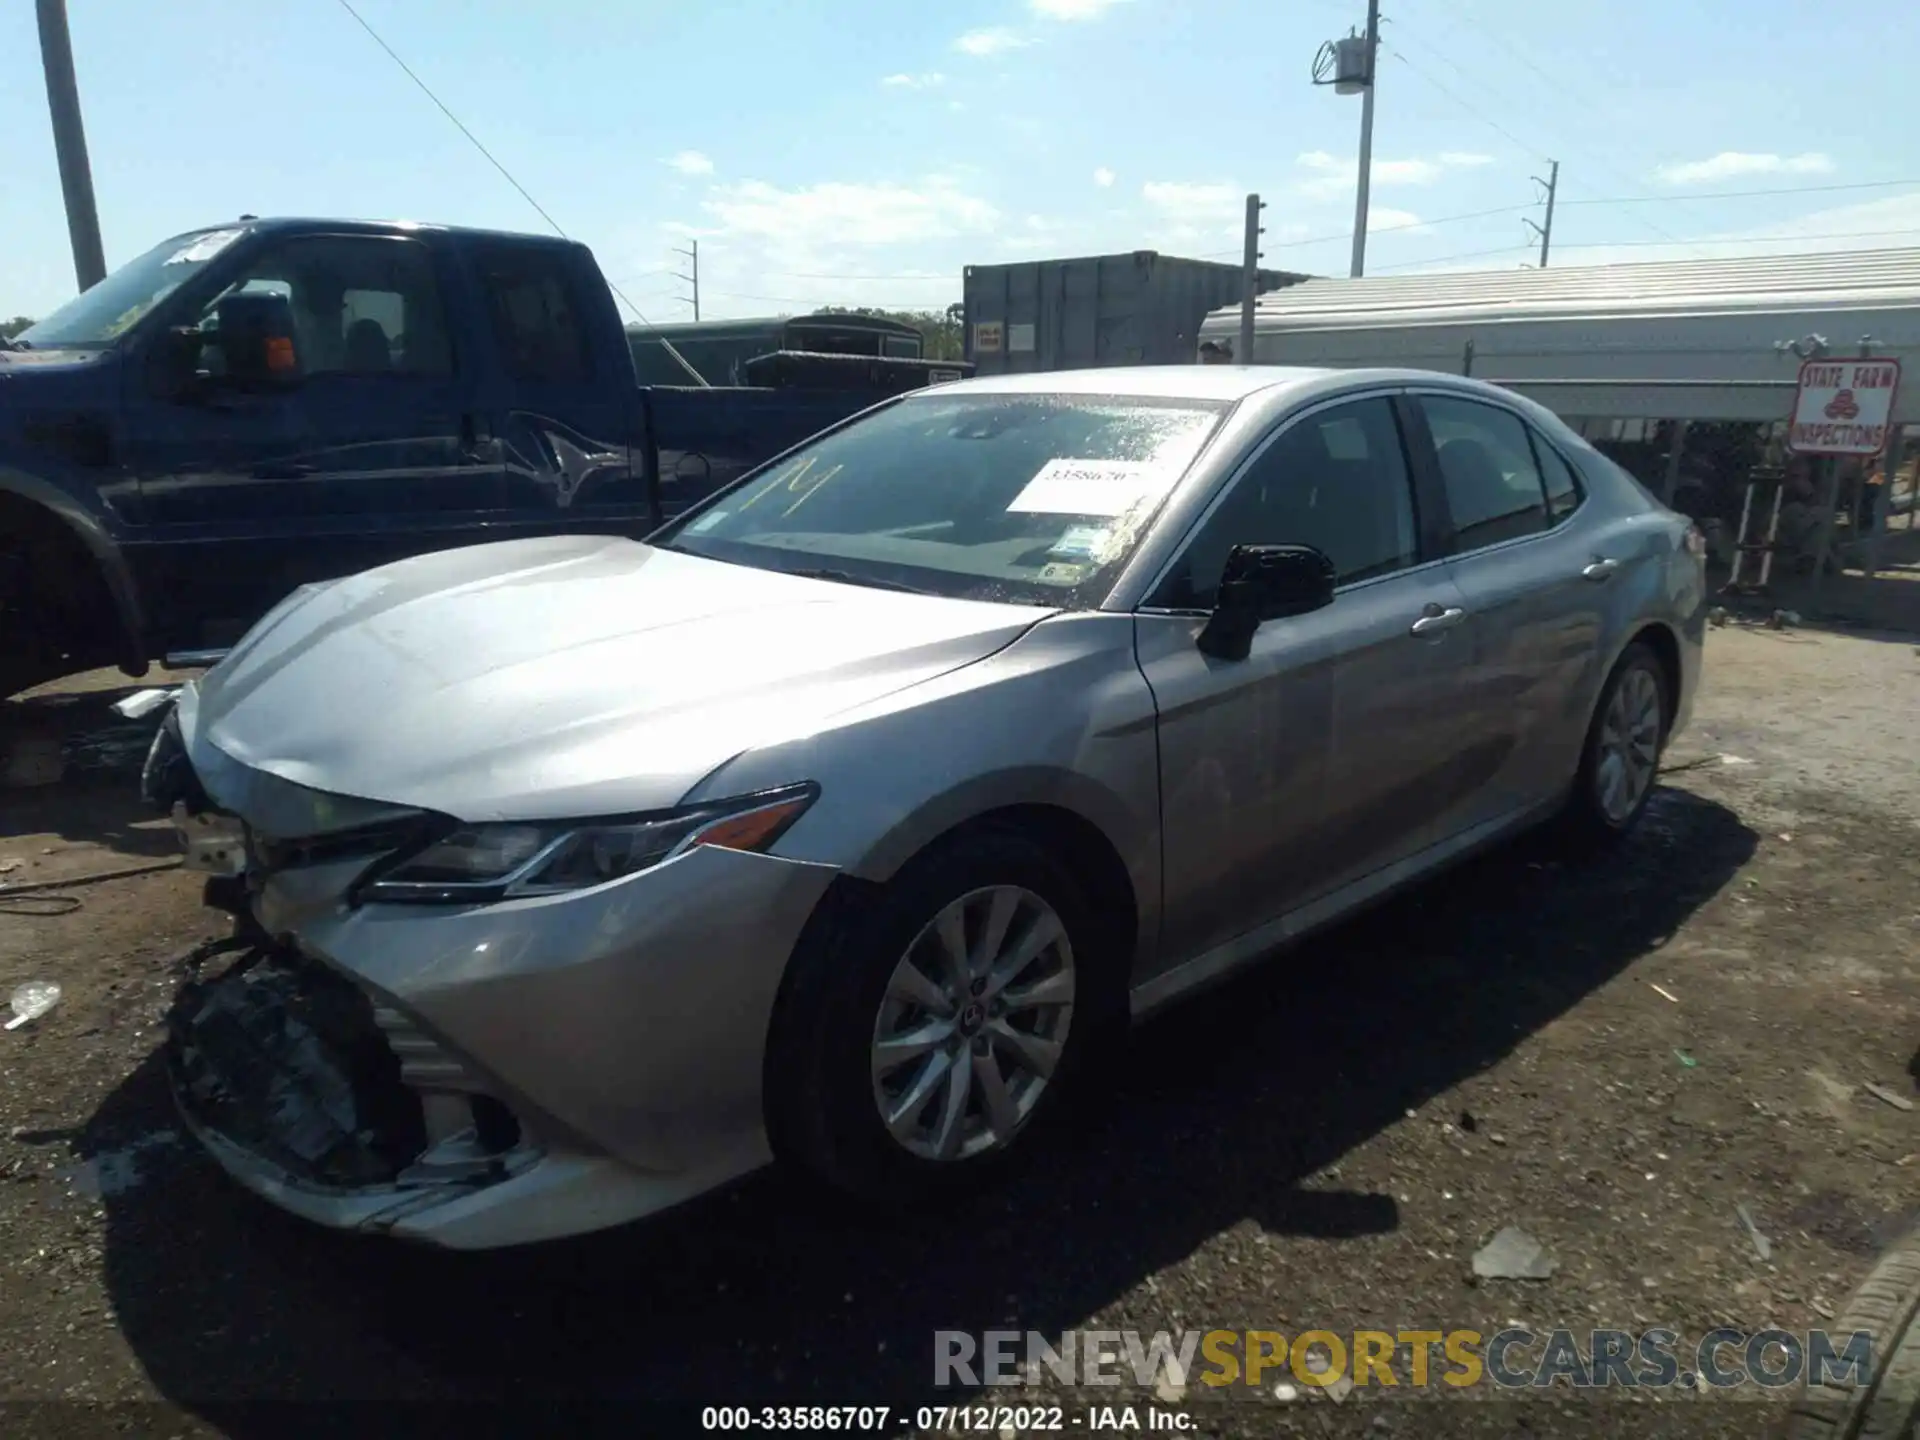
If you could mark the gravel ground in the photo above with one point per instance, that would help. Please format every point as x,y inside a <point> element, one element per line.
<point>1612,1055</point>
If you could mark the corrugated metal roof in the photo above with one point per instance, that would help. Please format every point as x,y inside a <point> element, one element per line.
<point>1861,279</point>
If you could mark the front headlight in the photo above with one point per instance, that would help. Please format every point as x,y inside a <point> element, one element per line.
<point>478,863</point>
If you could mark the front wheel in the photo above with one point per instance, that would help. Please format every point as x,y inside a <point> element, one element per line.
<point>1622,755</point>
<point>921,1042</point>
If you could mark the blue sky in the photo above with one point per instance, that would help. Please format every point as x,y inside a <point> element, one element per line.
<point>859,152</point>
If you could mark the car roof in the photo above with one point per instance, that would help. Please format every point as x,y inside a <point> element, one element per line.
<point>1270,386</point>
<point>1168,382</point>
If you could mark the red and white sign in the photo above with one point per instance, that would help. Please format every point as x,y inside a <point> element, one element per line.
<point>1844,407</point>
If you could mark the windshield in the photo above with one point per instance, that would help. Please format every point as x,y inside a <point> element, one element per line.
<point>1025,498</point>
<point>95,318</point>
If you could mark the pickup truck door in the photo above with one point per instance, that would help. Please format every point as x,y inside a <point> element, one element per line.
<point>381,452</point>
<point>562,401</point>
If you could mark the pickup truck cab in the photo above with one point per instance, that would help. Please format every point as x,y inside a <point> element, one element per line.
<point>253,406</point>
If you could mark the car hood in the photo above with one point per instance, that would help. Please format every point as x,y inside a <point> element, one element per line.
<point>574,676</point>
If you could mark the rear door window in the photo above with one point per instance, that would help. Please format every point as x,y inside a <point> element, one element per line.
<point>534,311</point>
<point>1487,466</point>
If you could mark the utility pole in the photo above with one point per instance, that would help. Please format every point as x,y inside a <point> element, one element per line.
<point>1249,280</point>
<point>1366,141</point>
<point>1552,186</point>
<point>692,252</point>
<point>70,144</point>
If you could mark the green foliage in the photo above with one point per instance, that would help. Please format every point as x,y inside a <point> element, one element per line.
<point>940,329</point>
<point>11,328</point>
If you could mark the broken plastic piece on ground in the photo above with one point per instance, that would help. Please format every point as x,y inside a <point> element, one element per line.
<point>32,1000</point>
<point>1735,760</point>
<point>1761,1246</point>
<point>143,703</point>
<point>1880,1092</point>
<point>1514,1255</point>
<point>1664,993</point>
<point>1685,1059</point>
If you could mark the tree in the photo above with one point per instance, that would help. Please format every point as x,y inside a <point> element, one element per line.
<point>939,330</point>
<point>11,328</point>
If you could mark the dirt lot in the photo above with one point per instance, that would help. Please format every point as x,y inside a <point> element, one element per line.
<point>1613,1056</point>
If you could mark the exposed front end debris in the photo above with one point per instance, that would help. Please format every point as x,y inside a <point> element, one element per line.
<point>291,1065</point>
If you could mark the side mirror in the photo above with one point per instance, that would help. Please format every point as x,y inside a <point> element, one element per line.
<point>1261,583</point>
<point>256,340</point>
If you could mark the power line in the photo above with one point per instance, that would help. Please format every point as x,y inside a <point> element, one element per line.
<point>1750,239</point>
<point>1593,162</point>
<point>475,139</point>
<point>1740,194</point>
<point>1395,51</point>
<point>507,174</point>
<point>1463,255</point>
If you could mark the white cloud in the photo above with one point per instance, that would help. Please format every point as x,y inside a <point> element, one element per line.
<point>690,162</point>
<point>1194,201</point>
<point>926,80</point>
<point>1071,9</point>
<point>1737,164</point>
<point>994,40</point>
<point>1385,217</point>
<point>843,214</point>
<point>1103,177</point>
<point>1331,176</point>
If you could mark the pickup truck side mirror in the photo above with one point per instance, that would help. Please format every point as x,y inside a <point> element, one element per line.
<point>1261,583</point>
<point>256,339</point>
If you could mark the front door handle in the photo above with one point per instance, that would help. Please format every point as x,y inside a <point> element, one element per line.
<point>1601,568</point>
<point>1437,618</point>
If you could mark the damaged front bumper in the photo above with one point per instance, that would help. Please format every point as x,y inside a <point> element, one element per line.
<point>297,1086</point>
<point>477,1076</point>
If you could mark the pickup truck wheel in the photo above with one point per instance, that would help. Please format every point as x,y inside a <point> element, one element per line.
<point>26,657</point>
<point>924,1040</point>
<point>55,614</point>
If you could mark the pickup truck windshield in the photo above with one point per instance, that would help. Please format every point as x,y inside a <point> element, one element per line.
<point>1032,499</point>
<point>96,318</point>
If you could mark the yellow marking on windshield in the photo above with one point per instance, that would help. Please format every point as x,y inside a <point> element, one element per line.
<point>791,478</point>
<point>810,490</point>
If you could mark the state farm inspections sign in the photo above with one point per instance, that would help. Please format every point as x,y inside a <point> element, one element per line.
<point>1843,407</point>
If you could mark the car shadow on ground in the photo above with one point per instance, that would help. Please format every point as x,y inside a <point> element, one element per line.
<point>1219,1114</point>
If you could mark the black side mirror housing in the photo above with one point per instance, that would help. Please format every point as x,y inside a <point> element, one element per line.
<point>256,339</point>
<point>1261,583</point>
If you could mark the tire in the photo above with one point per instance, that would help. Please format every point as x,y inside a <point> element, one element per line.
<point>1635,700</point>
<point>845,993</point>
<point>1887,1405</point>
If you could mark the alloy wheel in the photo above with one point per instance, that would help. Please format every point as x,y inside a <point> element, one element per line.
<point>973,1023</point>
<point>1629,745</point>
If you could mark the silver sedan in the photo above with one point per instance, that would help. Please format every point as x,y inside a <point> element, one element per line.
<point>843,820</point>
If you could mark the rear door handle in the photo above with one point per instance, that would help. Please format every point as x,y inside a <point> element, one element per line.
<point>1601,568</point>
<point>1437,618</point>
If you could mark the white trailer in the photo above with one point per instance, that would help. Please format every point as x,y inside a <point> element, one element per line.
<point>1675,340</point>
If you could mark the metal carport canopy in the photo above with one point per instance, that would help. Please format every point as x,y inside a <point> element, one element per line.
<point>1681,340</point>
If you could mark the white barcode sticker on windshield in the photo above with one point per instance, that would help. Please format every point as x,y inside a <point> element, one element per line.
<point>1084,487</point>
<point>204,247</point>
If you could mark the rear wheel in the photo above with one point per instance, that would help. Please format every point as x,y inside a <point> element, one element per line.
<point>1622,756</point>
<point>922,1042</point>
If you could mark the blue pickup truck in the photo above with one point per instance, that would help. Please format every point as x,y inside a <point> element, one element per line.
<point>254,406</point>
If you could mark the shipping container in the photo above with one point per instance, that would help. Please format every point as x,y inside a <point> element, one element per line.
<point>1143,308</point>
